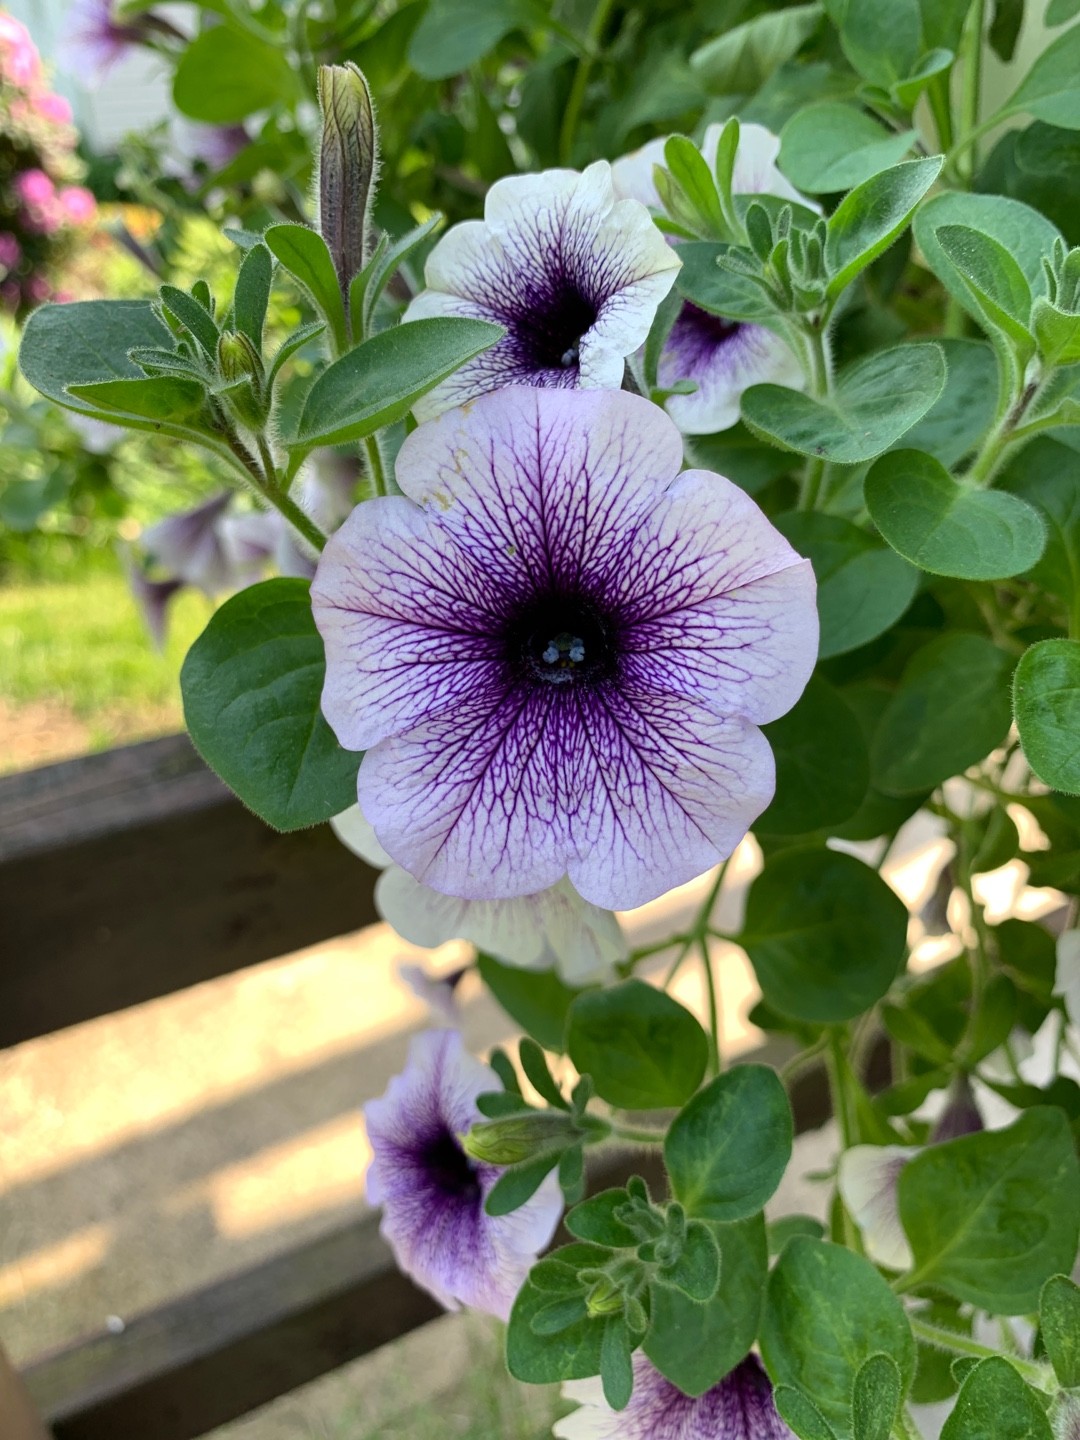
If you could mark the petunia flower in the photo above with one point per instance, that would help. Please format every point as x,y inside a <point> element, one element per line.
<point>722,357</point>
<point>557,651</point>
<point>555,929</point>
<point>573,273</point>
<point>867,1179</point>
<point>189,546</point>
<point>432,1194</point>
<point>94,40</point>
<point>438,992</point>
<point>740,1407</point>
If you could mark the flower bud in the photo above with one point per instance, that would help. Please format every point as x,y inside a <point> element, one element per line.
<point>514,1138</point>
<point>237,357</point>
<point>348,161</point>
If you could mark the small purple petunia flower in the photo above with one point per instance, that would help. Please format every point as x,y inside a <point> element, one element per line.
<point>722,357</point>
<point>432,1194</point>
<point>740,1407</point>
<point>573,273</point>
<point>557,651</point>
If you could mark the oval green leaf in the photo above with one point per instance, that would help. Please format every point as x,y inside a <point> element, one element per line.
<point>951,709</point>
<point>643,1049</point>
<point>949,528</point>
<point>995,1400</point>
<point>822,764</point>
<point>251,685</point>
<point>1046,701</point>
<point>863,586</point>
<point>225,74</point>
<point>825,934</point>
<point>830,147</point>
<point>728,1148</point>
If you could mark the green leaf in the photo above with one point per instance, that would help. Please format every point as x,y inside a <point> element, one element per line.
<point>1059,12</point>
<point>1057,332</point>
<point>881,41</point>
<point>534,1063</point>
<point>1047,475</point>
<point>810,903</point>
<point>574,1352</point>
<point>991,1217</point>
<point>519,1183</point>
<point>995,1401</point>
<point>379,381</point>
<point>1005,28</point>
<point>740,456</point>
<point>832,146</point>
<point>996,282</point>
<point>226,74</point>
<point>253,293</point>
<point>720,292</point>
<point>696,1344</point>
<point>1021,231</point>
<point>86,342</point>
<point>827,1311</point>
<point>906,91</point>
<point>389,262</point>
<point>164,397</point>
<point>197,320</point>
<point>616,1365</point>
<point>741,60</point>
<point>594,1220</point>
<point>304,254</point>
<point>782,1230</point>
<point>727,1149</point>
<point>454,34</point>
<point>537,1000</point>
<point>963,413</point>
<point>875,1398</point>
<point>872,216</point>
<point>1059,1324</point>
<point>643,1049</point>
<point>1046,701</point>
<point>863,586</point>
<point>877,399</point>
<point>290,346</point>
<point>949,528</point>
<point>251,685</point>
<point>1051,88</point>
<point>822,764</point>
<point>801,1414</point>
<point>690,171</point>
<point>697,1271</point>
<point>951,709</point>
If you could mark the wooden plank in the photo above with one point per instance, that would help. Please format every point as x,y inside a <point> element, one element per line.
<point>129,875</point>
<point>204,1359</point>
<point>20,1420</point>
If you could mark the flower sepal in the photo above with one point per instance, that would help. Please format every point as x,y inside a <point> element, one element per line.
<point>523,1136</point>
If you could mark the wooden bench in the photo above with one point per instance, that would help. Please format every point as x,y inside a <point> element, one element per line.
<point>130,875</point>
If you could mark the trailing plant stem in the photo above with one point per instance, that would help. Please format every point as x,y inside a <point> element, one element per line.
<point>964,1345</point>
<point>572,114</point>
<point>265,485</point>
<point>971,90</point>
<point>1001,438</point>
<point>375,467</point>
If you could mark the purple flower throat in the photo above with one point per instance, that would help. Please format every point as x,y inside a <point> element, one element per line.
<point>449,1170</point>
<point>559,639</point>
<point>550,321</point>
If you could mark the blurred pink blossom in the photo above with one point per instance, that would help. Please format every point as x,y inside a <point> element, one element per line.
<point>10,250</point>
<point>34,188</point>
<point>78,204</point>
<point>52,107</point>
<point>19,62</point>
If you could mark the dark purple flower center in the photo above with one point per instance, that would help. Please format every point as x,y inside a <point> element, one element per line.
<point>550,324</point>
<point>706,326</point>
<point>449,1169</point>
<point>560,639</point>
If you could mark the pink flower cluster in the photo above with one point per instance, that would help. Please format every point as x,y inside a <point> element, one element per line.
<point>40,205</point>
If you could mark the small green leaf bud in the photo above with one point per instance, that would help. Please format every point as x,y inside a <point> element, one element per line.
<point>514,1138</point>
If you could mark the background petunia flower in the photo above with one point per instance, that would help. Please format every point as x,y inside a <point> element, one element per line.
<point>95,40</point>
<point>555,929</point>
<point>574,274</point>
<point>740,1407</point>
<point>432,1194</point>
<point>867,1178</point>
<point>557,651</point>
<point>722,357</point>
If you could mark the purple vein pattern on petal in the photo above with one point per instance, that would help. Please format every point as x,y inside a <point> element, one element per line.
<point>559,654</point>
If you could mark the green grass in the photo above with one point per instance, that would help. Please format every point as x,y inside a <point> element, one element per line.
<point>81,643</point>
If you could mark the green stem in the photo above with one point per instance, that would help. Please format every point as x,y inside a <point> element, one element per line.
<point>843,1108</point>
<point>904,1427</point>
<point>572,113</point>
<point>639,1134</point>
<point>818,366</point>
<point>964,1345</point>
<point>798,1063</point>
<point>938,95</point>
<point>265,485</point>
<point>714,1008</point>
<point>1001,438</point>
<point>375,467</point>
<point>971,90</point>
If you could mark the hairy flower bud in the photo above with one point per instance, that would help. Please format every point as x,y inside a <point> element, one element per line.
<point>237,357</point>
<point>514,1138</point>
<point>348,161</point>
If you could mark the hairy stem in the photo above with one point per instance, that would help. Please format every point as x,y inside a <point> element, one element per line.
<point>964,1345</point>
<point>572,114</point>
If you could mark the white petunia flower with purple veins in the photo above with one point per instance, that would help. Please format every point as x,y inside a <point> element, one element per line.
<point>557,651</point>
<point>722,357</point>
<point>573,273</point>
<point>432,1194</point>
<point>740,1407</point>
<point>95,40</point>
<point>555,929</point>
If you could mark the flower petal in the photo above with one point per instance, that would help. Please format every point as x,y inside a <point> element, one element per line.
<point>867,1180</point>
<point>718,605</point>
<point>406,617</point>
<point>722,359</point>
<point>536,484</point>
<point>357,835</point>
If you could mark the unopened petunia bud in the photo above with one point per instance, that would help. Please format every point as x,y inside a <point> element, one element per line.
<point>237,357</point>
<point>348,160</point>
<point>513,1138</point>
